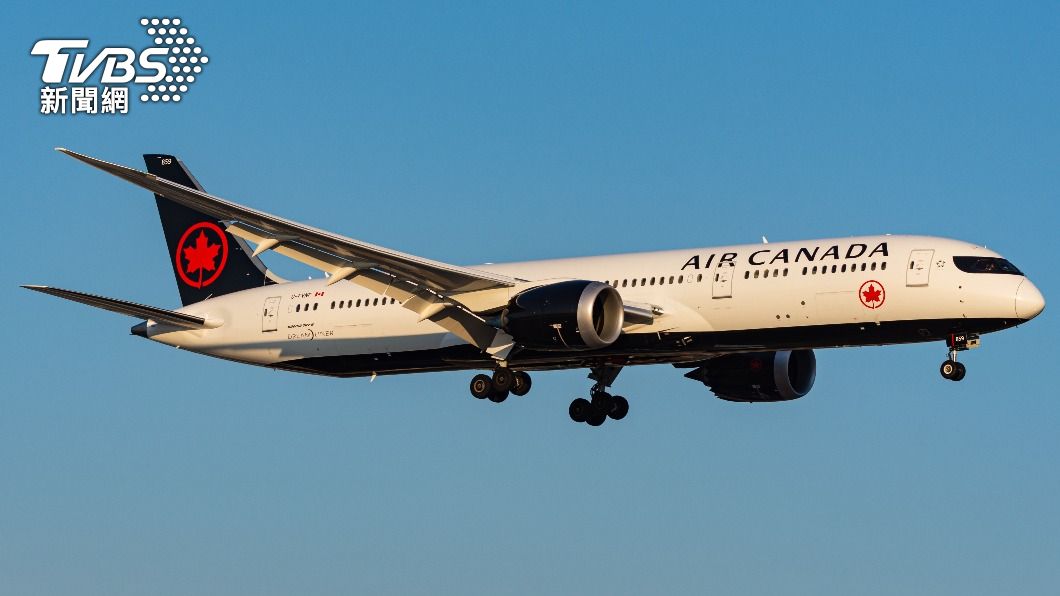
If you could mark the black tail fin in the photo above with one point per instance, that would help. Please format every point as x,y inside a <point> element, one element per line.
<point>207,260</point>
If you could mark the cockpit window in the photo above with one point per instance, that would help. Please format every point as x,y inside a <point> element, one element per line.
<point>985,265</point>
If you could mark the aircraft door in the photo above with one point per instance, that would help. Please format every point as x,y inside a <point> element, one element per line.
<point>270,314</point>
<point>919,268</point>
<point>722,282</point>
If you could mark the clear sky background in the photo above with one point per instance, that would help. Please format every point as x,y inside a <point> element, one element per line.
<point>470,133</point>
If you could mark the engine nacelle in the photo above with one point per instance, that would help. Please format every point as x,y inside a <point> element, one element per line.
<point>567,315</point>
<point>759,376</point>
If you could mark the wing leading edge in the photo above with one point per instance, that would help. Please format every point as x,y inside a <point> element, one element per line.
<point>438,276</point>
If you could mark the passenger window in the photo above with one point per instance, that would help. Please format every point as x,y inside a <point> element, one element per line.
<point>375,302</point>
<point>680,279</point>
<point>765,273</point>
<point>332,305</point>
<point>315,305</point>
<point>633,283</point>
<point>863,265</point>
<point>756,274</point>
<point>804,270</point>
<point>643,281</point>
<point>349,303</point>
<point>883,265</point>
<point>785,272</point>
<point>297,308</point>
<point>671,279</point>
<point>653,281</point>
<point>844,268</point>
<point>623,283</point>
<point>699,277</point>
<point>873,266</point>
<point>746,274</point>
<point>833,268</point>
<point>358,302</point>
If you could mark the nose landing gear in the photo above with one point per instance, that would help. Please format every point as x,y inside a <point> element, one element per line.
<point>952,370</point>
<point>957,342</point>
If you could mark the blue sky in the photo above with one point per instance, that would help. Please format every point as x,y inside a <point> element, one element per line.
<point>473,132</point>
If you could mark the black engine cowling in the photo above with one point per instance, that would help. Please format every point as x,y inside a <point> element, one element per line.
<point>567,315</point>
<point>759,376</point>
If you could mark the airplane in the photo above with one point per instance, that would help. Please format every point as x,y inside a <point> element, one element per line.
<point>743,320</point>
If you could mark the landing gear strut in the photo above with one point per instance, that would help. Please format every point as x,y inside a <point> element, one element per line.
<point>497,387</point>
<point>601,405</point>
<point>957,342</point>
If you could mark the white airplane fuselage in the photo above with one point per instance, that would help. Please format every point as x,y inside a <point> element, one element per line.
<point>871,290</point>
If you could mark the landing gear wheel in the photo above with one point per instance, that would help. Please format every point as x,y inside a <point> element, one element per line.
<point>481,386</point>
<point>949,369</point>
<point>961,371</point>
<point>579,409</point>
<point>596,417</point>
<point>619,408</point>
<point>502,380</point>
<point>520,383</point>
<point>498,396</point>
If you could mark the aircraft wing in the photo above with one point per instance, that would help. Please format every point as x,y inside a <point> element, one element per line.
<point>422,285</point>
<point>440,277</point>
<point>140,311</point>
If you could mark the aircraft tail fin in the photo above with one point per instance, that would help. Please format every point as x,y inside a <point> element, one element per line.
<point>207,261</point>
<point>140,311</point>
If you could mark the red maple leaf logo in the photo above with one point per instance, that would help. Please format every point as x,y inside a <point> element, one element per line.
<point>202,253</point>
<point>201,257</point>
<point>871,294</point>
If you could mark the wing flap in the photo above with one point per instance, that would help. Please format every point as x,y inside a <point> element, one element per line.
<point>140,311</point>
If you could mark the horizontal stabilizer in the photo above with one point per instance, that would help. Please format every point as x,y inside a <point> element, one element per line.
<point>140,311</point>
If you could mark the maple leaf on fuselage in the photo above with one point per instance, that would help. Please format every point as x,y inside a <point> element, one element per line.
<point>202,255</point>
<point>871,294</point>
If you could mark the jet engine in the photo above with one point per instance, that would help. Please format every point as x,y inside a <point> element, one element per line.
<point>759,376</point>
<point>567,315</point>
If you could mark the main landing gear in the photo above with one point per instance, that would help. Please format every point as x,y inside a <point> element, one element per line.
<point>957,342</point>
<point>601,405</point>
<point>503,382</point>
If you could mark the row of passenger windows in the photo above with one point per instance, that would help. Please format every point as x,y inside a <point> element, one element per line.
<point>365,302</point>
<point>823,269</point>
<point>347,304</point>
<point>651,281</point>
<point>757,273</point>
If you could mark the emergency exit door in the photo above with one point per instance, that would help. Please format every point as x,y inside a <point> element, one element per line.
<point>272,309</point>
<point>918,270</point>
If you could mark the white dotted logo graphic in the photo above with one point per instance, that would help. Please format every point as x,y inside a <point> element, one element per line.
<point>79,80</point>
<point>185,58</point>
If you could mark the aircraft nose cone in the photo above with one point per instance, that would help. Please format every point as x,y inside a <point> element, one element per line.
<point>1029,301</point>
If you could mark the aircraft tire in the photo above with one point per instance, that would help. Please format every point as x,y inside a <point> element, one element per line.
<point>481,386</point>
<point>579,409</point>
